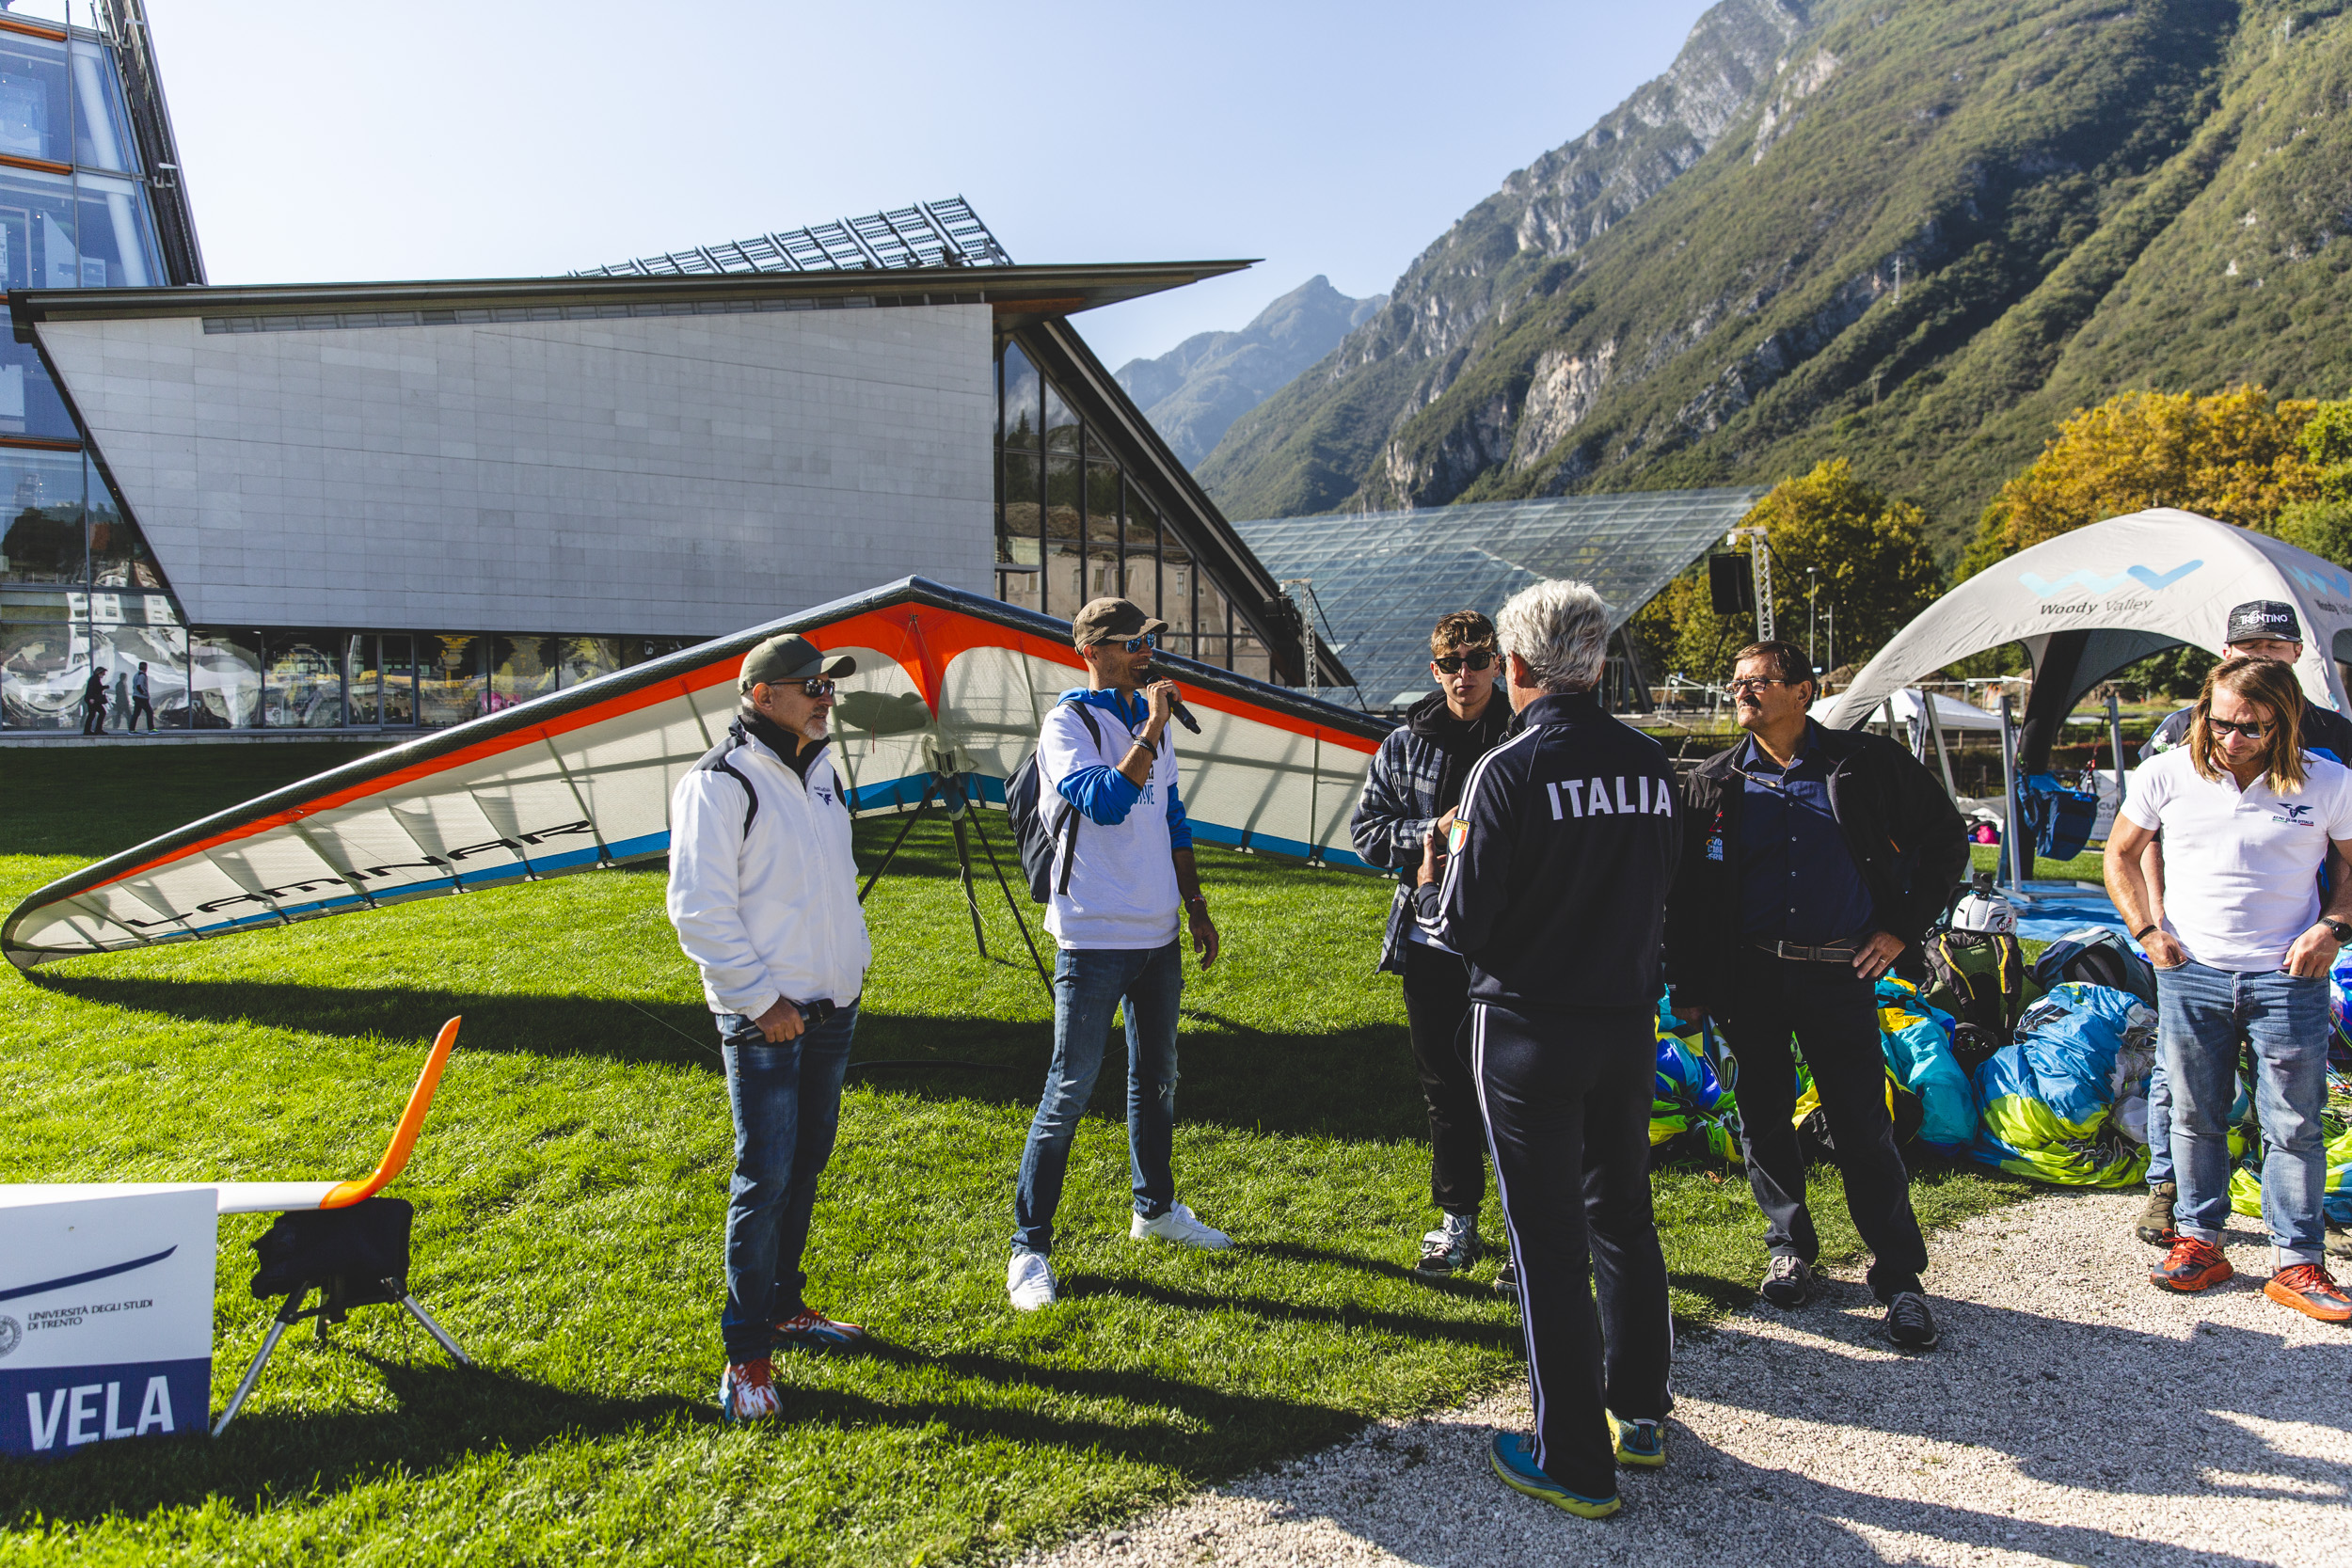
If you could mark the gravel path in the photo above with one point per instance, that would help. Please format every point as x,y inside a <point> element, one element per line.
<point>2074,1414</point>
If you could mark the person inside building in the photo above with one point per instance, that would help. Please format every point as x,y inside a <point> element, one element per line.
<point>2260,628</point>
<point>140,702</point>
<point>763,894</point>
<point>1817,858</point>
<point>1410,792</point>
<point>2249,817</point>
<point>94,703</point>
<point>1551,883</point>
<point>1124,892</point>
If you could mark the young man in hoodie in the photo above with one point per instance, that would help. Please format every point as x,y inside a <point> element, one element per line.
<point>1124,892</point>
<point>1415,783</point>
<point>763,891</point>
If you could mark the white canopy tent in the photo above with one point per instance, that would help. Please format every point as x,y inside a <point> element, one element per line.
<point>2090,602</point>
<point>1950,712</point>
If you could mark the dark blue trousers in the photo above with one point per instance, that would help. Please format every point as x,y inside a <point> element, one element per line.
<point>1567,1097</point>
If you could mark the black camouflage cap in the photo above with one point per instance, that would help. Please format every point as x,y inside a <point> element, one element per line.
<point>2260,618</point>
<point>1103,619</point>
<point>785,658</point>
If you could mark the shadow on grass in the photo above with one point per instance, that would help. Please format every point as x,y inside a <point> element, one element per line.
<point>447,1414</point>
<point>1356,1085</point>
<point>1493,1335</point>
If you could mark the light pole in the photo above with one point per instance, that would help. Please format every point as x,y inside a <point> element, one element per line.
<point>1812,588</point>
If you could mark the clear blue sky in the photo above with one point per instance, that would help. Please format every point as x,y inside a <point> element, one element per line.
<point>431,139</point>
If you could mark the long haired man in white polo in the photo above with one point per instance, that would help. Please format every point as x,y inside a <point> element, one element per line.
<point>763,891</point>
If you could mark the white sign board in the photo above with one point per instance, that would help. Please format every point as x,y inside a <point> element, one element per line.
<point>105,1317</point>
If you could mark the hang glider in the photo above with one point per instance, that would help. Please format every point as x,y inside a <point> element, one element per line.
<point>949,685</point>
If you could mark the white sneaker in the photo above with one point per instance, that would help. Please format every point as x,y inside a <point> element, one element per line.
<point>1178,1225</point>
<point>1029,1282</point>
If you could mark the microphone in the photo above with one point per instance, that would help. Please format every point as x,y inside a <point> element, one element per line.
<point>1183,715</point>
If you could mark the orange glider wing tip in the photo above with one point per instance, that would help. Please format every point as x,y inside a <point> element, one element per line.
<point>404,1133</point>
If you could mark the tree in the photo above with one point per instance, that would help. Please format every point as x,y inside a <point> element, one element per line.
<point>1869,559</point>
<point>2236,456</point>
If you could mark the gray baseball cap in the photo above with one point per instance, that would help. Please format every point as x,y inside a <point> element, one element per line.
<point>1104,620</point>
<point>2256,619</point>
<point>787,658</point>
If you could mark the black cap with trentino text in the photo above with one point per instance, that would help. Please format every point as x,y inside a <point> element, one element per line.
<point>2260,619</point>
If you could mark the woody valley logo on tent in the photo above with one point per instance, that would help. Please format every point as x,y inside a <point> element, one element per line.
<point>2091,582</point>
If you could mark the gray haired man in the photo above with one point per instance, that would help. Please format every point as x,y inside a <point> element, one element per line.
<point>1553,882</point>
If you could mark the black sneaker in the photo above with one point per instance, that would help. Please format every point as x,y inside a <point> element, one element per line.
<point>2155,1220</point>
<point>1908,1322</point>
<point>1507,1282</point>
<point>1449,1249</point>
<point>1789,1282</point>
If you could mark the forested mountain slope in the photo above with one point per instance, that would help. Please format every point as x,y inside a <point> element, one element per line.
<point>1195,390</point>
<point>1910,232</point>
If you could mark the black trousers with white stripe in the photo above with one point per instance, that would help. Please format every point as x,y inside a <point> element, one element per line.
<point>1567,1097</point>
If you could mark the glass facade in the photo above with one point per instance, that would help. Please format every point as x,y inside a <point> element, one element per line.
<point>1073,524</point>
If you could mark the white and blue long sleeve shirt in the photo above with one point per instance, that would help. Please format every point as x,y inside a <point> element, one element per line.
<point>1122,881</point>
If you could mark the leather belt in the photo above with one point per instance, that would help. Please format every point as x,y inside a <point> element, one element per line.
<point>1833,954</point>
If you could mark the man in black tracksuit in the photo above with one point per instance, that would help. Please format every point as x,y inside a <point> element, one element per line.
<point>1553,884</point>
<point>1817,858</point>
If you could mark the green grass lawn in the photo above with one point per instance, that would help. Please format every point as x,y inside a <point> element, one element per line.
<point>571,1184</point>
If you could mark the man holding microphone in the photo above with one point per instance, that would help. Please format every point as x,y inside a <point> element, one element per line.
<point>763,892</point>
<point>1123,889</point>
<point>1552,884</point>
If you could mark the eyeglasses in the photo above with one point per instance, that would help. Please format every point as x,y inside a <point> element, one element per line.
<point>1455,663</point>
<point>2230,726</point>
<point>1758,683</point>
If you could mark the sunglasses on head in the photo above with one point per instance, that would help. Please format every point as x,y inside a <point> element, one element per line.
<point>2230,726</point>
<point>1455,663</point>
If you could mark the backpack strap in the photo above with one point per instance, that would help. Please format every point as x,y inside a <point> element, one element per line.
<point>1066,828</point>
<point>715,761</point>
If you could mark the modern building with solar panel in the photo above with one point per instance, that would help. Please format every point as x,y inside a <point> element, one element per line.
<point>1376,582</point>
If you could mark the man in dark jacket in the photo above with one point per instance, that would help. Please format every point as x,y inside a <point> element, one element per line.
<point>1817,858</point>
<point>1414,783</point>
<point>94,703</point>
<point>1551,883</point>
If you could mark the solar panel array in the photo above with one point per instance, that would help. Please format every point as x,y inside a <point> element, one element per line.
<point>928,234</point>
<point>1383,579</point>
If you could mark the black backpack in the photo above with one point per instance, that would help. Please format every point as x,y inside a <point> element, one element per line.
<point>1029,826</point>
<point>2099,957</point>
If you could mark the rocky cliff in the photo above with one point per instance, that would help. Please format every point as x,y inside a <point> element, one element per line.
<point>1193,392</point>
<point>1911,232</point>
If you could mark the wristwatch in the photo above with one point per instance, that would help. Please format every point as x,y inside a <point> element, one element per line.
<point>2338,929</point>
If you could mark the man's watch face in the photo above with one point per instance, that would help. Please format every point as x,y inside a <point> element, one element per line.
<point>2342,932</point>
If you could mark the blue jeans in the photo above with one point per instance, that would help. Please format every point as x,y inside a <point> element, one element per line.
<point>1089,983</point>
<point>2202,1013</point>
<point>786,1100</point>
<point>2160,1126</point>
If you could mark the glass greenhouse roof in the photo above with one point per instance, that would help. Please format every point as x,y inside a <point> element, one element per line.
<point>1383,579</point>
<point>928,234</point>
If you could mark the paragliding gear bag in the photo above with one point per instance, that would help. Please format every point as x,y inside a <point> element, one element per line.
<point>2096,957</point>
<point>1030,829</point>
<point>2057,818</point>
<point>1982,973</point>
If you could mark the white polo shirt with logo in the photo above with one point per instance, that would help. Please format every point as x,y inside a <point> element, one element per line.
<point>2240,866</point>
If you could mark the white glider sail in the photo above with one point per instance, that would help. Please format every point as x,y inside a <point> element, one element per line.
<point>948,683</point>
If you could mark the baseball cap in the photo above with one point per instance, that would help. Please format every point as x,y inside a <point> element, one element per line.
<point>2260,618</point>
<point>1103,619</point>
<point>787,658</point>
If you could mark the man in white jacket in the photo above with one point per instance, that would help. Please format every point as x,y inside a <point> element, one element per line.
<point>763,891</point>
<point>1124,890</point>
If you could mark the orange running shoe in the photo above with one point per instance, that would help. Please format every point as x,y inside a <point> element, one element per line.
<point>2309,1289</point>
<point>2191,1265</point>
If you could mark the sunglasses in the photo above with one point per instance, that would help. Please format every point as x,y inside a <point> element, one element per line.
<point>1137,644</point>
<point>2230,726</point>
<point>1456,663</point>
<point>1758,683</point>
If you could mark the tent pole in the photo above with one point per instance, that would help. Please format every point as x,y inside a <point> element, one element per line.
<point>2115,739</point>
<point>1927,703</point>
<point>2015,823</point>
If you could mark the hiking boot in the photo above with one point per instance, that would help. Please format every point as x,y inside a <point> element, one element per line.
<point>747,1392</point>
<point>1640,1443</point>
<point>1909,1322</point>
<point>2155,1221</point>
<point>809,1327</point>
<point>1449,1249</point>
<point>1507,1280</point>
<point>1513,1457</point>
<point>1180,1226</point>
<point>2191,1265</point>
<point>2340,1244</point>
<point>1029,1282</point>
<point>1789,1282</point>
<point>2310,1291</point>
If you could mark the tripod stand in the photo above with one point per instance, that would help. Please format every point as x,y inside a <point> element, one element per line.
<point>946,788</point>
